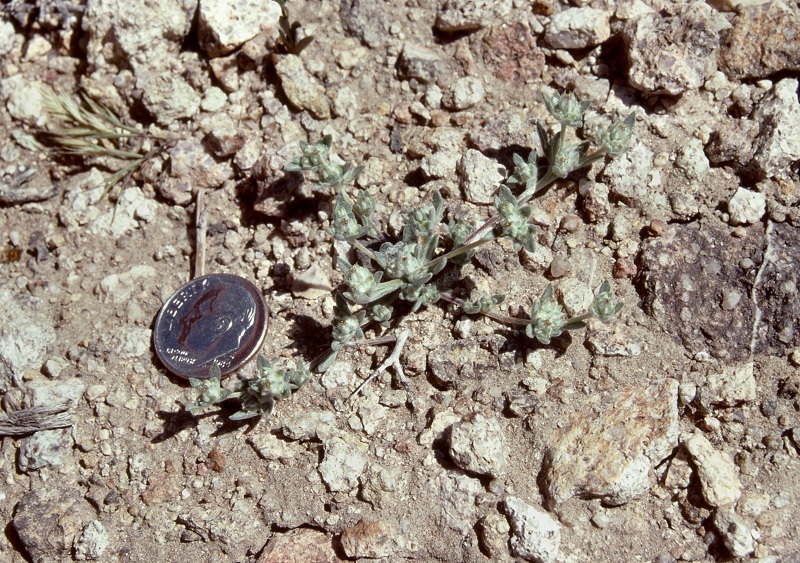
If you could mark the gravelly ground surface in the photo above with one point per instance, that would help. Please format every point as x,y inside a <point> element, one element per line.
<point>670,435</point>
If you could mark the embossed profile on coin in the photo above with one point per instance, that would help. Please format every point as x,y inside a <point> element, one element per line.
<point>218,318</point>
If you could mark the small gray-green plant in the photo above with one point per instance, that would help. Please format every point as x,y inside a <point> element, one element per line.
<point>406,270</point>
<point>316,159</point>
<point>257,394</point>
<point>381,273</point>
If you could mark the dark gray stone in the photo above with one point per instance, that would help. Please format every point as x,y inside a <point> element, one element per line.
<point>47,521</point>
<point>367,20</point>
<point>683,275</point>
<point>777,292</point>
<point>424,65</point>
<point>686,273</point>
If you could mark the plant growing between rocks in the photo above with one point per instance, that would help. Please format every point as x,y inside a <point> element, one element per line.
<point>90,130</point>
<point>291,41</point>
<point>380,274</point>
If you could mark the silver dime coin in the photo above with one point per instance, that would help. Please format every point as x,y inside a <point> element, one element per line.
<point>217,318</point>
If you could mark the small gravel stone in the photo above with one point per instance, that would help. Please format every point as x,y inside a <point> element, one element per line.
<point>343,464</point>
<point>692,160</point>
<point>763,40</point>
<point>478,445</point>
<point>560,267</point>
<point>50,393</point>
<point>493,531</point>
<point>168,96</point>
<point>7,37</point>
<point>25,100</point>
<point>746,207</point>
<point>466,92</point>
<point>92,542</point>
<point>224,25</point>
<point>658,227</point>
<point>47,520</point>
<point>22,321</point>
<point>538,260</point>
<point>422,64</point>
<point>307,424</point>
<point>137,38</point>
<point>441,164</point>
<point>270,447</point>
<point>574,295</point>
<point>535,535</point>
<point>54,367</point>
<point>578,28</point>
<point>687,392</point>
<point>371,415</point>
<point>214,99</point>
<point>719,482</point>
<point>732,386</point>
<point>371,539</point>
<point>601,519</point>
<point>480,177</point>
<point>673,54</point>
<point>679,474</point>
<point>736,534</point>
<point>456,495</point>
<point>753,504</point>
<point>623,268</point>
<point>730,299</point>
<point>303,90</point>
<point>312,283</point>
<point>121,287</point>
<point>779,117</point>
<point>45,448</point>
<point>300,544</point>
<point>570,223</point>
<point>36,48</point>
<point>456,16</point>
<point>368,20</point>
<point>381,485</point>
<point>614,339</point>
<point>191,163</point>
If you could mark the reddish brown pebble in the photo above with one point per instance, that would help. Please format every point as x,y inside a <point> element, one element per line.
<point>300,544</point>
<point>401,113</point>
<point>216,461</point>
<point>559,267</point>
<point>368,539</point>
<point>658,226</point>
<point>439,118</point>
<point>570,223</point>
<point>624,268</point>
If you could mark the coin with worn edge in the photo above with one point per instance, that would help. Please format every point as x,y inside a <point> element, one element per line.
<point>218,318</point>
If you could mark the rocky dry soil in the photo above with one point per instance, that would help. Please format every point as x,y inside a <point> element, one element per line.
<point>672,434</point>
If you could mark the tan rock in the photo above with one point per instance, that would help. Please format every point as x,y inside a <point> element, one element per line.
<point>612,442</point>
<point>719,480</point>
